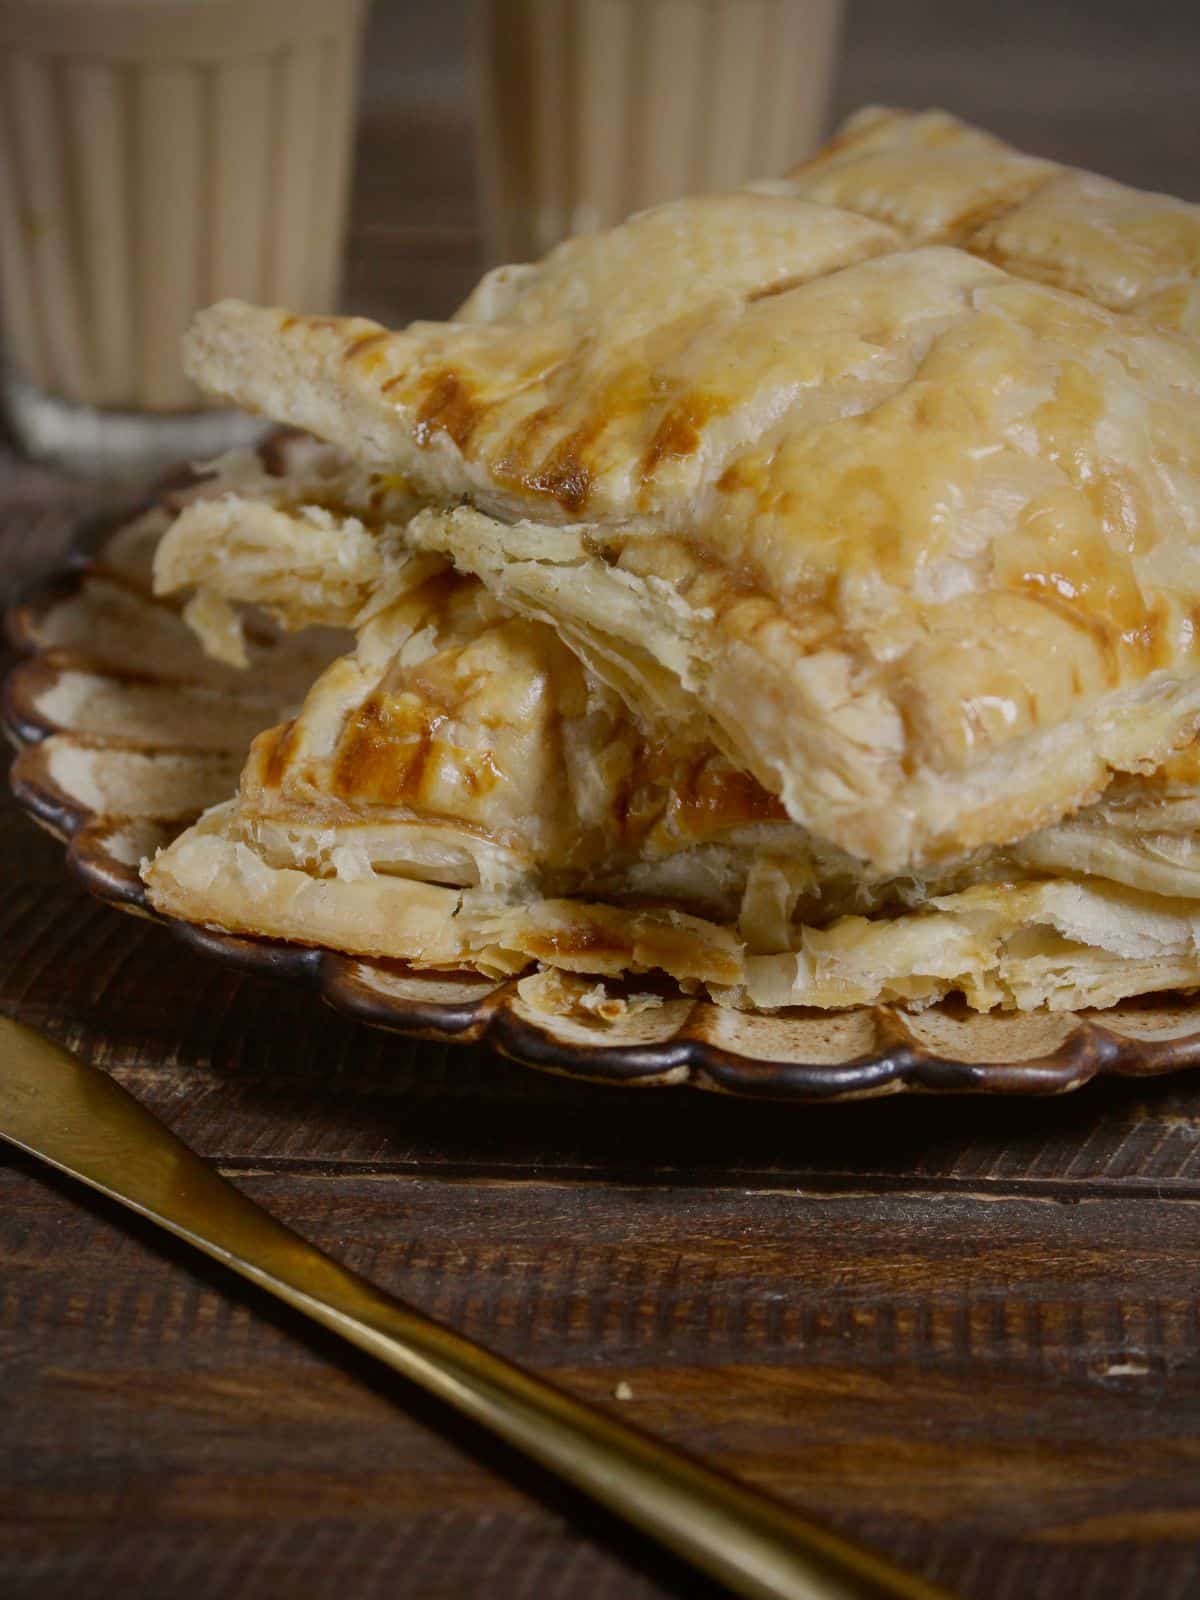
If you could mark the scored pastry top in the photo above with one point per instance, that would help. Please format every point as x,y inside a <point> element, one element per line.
<point>885,476</point>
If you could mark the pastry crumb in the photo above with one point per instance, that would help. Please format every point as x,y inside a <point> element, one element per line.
<point>623,1391</point>
<point>568,995</point>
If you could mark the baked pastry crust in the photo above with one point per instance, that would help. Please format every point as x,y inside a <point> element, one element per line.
<point>1053,943</point>
<point>909,535</point>
<point>464,743</point>
<point>937,179</point>
<point>446,785</point>
<point>793,592</point>
<point>312,545</point>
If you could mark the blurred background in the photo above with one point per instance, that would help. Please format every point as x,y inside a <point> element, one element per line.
<point>154,156</point>
<point>1113,85</point>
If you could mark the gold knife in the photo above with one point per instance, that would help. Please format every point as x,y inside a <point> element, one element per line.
<point>80,1120</point>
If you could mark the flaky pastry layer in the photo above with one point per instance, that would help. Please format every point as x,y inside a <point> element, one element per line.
<point>1057,945</point>
<point>445,782</point>
<point>884,477</point>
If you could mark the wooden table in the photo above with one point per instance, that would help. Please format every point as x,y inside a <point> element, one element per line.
<point>968,1331</point>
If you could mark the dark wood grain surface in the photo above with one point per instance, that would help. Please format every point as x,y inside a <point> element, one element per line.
<point>967,1331</point>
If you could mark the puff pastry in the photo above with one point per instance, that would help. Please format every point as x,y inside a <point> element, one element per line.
<point>765,591</point>
<point>909,534</point>
<point>460,790</point>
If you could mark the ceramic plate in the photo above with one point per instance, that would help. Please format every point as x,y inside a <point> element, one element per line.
<point>126,731</point>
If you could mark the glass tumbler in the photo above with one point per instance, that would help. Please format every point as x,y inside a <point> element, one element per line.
<point>156,155</point>
<point>593,109</point>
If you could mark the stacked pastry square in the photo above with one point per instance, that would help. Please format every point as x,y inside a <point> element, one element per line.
<point>794,592</point>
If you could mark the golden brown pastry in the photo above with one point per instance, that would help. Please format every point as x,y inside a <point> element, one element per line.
<point>460,790</point>
<point>765,591</point>
<point>908,534</point>
<point>935,178</point>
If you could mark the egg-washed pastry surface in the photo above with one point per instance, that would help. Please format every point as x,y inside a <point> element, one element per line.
<point>883,477</point>
<point>459,790</point>
<point>792,592</point>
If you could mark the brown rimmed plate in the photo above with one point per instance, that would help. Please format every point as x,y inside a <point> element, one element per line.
<point>125,731</point>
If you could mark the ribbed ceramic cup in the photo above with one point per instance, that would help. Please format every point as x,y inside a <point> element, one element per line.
<point>156,155</point>
<point>593,109</point>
